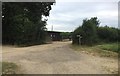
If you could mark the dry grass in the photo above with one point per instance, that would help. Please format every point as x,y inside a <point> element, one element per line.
<point>95,50</point>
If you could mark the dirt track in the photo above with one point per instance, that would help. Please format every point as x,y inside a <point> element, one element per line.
<point>57,58</point>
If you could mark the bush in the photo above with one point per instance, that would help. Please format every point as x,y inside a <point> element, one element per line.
<point>92,34</point>
<point>87,31</point>
<point>108,34</point>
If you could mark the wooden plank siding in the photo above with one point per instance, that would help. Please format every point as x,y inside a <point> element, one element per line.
<point>54,35</point>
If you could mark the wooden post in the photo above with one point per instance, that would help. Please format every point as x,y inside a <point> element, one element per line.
<point>79,42</point>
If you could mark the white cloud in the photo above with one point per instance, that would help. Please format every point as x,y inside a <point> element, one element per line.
<point>87,0</point>
<point>108,13</point>
<point>66,16</point>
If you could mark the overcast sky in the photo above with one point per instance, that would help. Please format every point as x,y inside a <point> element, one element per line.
<point>68,15</point>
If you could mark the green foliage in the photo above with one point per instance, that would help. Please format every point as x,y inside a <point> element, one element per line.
<point>78,31</point>
<point>87,31</point>
<point>110,47</point>
<point>22,22</point>
<point>65,35</point>
<point>92,34</point>
<point>103,50</point>
<point>118,31</point>
<point>108,34</point>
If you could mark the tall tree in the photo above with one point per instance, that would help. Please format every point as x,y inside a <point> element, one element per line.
<point>88,31</point>
<point>22,21</point>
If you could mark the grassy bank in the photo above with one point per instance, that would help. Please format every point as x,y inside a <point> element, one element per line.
<point>110,47</point>
<point>9,68</point>
<point>103,50</point>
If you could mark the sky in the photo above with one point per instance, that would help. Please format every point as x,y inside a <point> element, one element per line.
<point>67,15</point>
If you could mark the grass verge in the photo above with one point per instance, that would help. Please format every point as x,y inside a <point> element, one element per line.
<point>103,50</point>
<point>110,47</point>
<point>9,68</point>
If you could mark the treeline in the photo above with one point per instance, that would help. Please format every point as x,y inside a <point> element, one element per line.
<point>22,22</point>
<point>91,33</point>
<point>66,35</point>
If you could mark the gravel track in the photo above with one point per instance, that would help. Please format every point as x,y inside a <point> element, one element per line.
<point>57,58</point>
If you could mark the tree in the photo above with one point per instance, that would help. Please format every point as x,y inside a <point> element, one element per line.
<point>65,35</point>
<point>77,31</point>
<point>22,22</point>
<point>87,31</point>
<point>90,31</point>
<point>119,35</point>
<point>108,34</point>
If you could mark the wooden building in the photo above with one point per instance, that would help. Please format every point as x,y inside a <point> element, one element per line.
<point>54,35</point>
